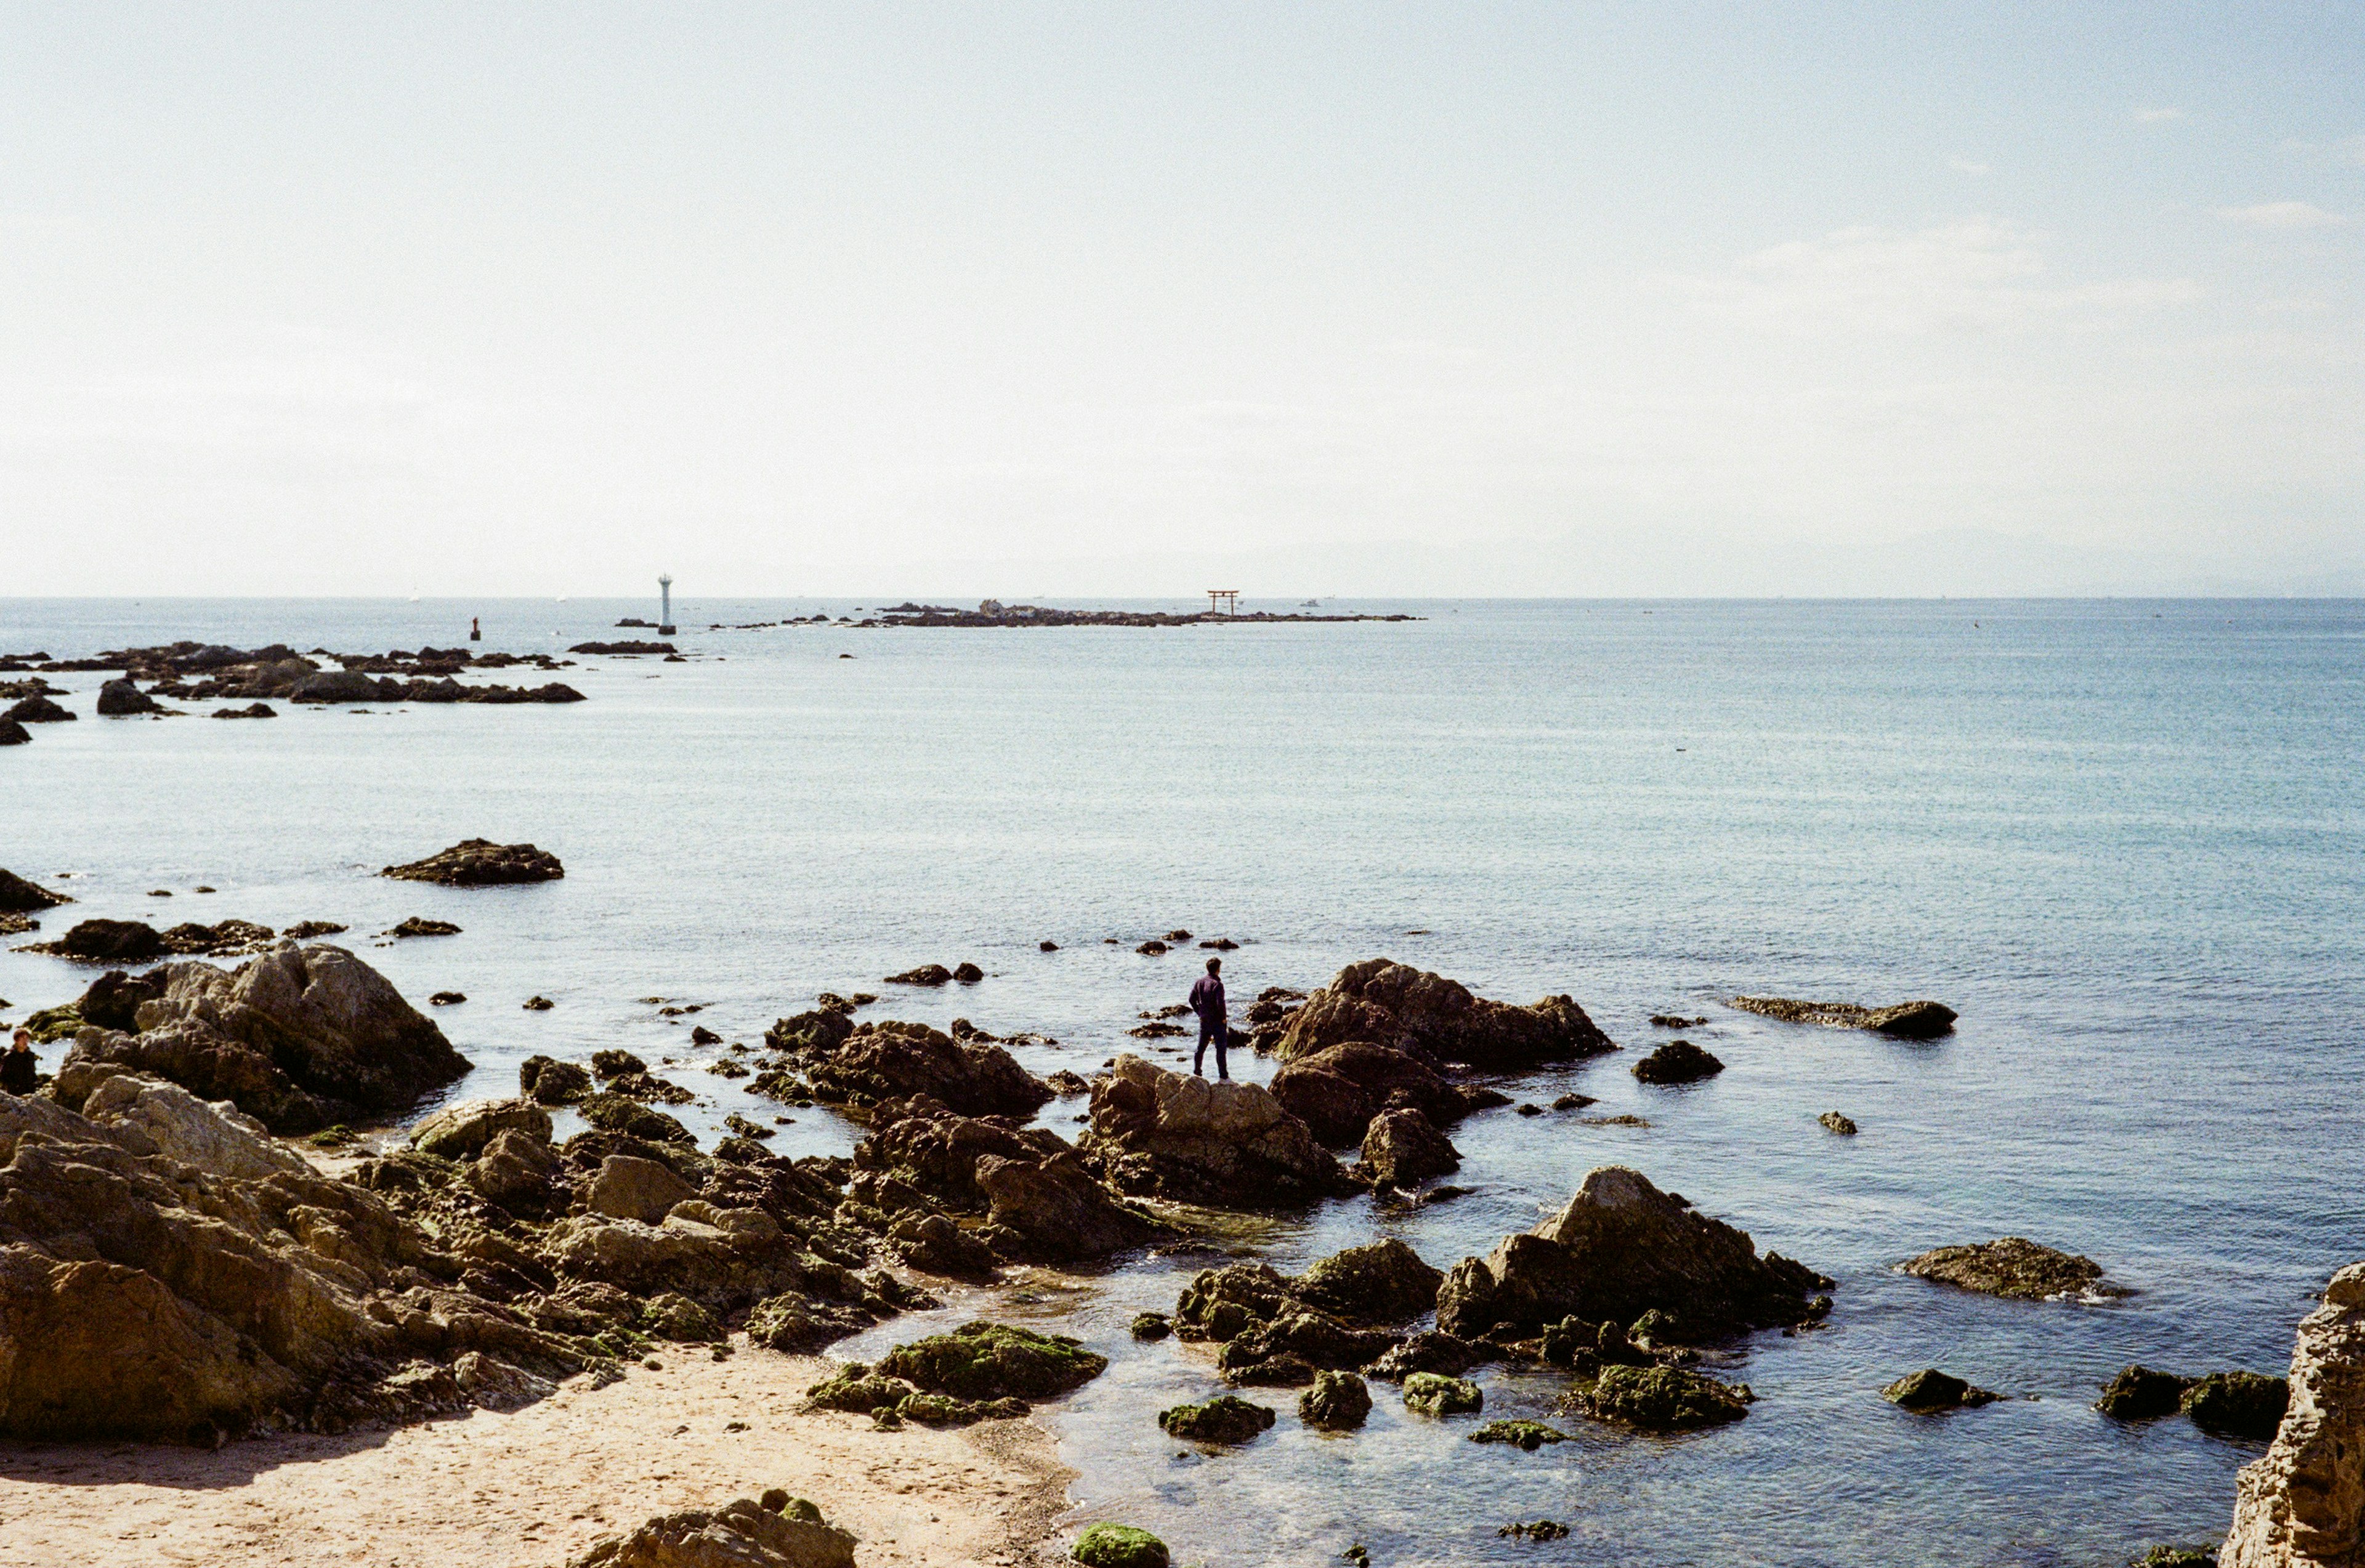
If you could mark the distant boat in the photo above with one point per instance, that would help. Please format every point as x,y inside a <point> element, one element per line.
<point>414,599</point>
<point>562,598</point>
<point>1311,604</point>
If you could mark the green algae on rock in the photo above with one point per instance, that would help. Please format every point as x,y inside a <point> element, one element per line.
<point>2015,1268</point>
<point>994,1361</point>
<point>1432,1394</point>
<point>2143,1393</point>
<point>2238,1404</point>
<point>1119,1546</point>
<point>1227,1418</point>
<point>1338,1402</point>
<point>1528,1436</point>
<point>1930,1390</point>
<point>1661,1399</point>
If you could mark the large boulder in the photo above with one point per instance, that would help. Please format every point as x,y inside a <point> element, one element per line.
<point>39,709</point>
<point>994,1361</point>
<point>461,1131</point>
<point>722,1259</point>
<point>1052,1211</point>
<point>1437,1021</point>
<point>18,896</point>
<point>744,1534</point>
<point>630,1188</point>
<point>2303,1505</point>
<point>109,942</point>
<point>114,998</point>
<point>920,1145</point>
<point>1620,1248</point>
<point>301,1039</point>
<point>1401,1148</point>
<point>165,1274</point>
<point>1905,1020</point>
<point>865,1064</point>
<point>1230,1144</point>
<point>121,700</point>
<point>2013,1267</point>
<point>1338,1090</point>
<point>1382,1282</point>
<point>481,863</point>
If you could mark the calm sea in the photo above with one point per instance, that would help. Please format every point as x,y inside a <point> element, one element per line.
<point>2125,839</point>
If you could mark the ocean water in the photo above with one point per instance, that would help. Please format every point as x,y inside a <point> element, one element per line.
<point>2124,839</point>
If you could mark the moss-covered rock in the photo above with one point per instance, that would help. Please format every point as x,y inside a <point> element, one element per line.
<point>2238,1404</point>
<point>2176,1557</point>
<point>1527,1434</point>
<point>855,1389</point>
<point>944,1410</point>
<point>1663,1399</point>
<point>994,1361</point>
<point>1930,1390</point>
<point>1386,1282</point>
<point>1338,1402</point>
<point>2142,1394</point>
<point>1151,1326</point>
<point>52,1024</point>
<point>1433,1394</point>
<point>1227,1418</point>
<point>670,1315</point>
<point>1119,1546</point>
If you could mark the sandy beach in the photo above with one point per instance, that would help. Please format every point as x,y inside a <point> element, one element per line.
<point>533,1487</point>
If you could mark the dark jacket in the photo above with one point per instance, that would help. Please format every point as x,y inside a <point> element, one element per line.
<point>1207,1000</point>
<point>20,1071</point>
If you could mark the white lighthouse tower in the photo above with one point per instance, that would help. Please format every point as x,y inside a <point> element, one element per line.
<point>664,603</point>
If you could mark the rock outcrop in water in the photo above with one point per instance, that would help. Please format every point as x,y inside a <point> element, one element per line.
<point>107,942</point>
<point>1621,1247</point>
<point>864,1064</point>
<point>18,896</point>
<point>1337,1089</point>
<point>1436,1021</point>
<point>481,863</point>
<point>1227,1144</point>
<point>1905,1020</point>
<point>2304,1505</point>
<point>300,1039</point>
<point>2013,1267</point>
<point>1678,1061</point>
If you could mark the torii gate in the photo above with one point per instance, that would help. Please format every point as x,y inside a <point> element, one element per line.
<point>1223,601</point>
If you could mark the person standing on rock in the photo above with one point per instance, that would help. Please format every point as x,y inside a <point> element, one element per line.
<point>1207,1001</point>
<point>20,1069</point>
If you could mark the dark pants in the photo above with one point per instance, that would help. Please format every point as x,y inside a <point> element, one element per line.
<point>1213,1031</point>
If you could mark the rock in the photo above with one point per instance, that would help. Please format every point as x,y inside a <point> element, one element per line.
<point>1227,1418</point>
<point>618,1114</point>
<point>120,698</point>
<point>1434,1393</point>
<point>630,1188</point>
<point>1430,1351</point>
<point>1678,1061</point>
<point>1223,1304</point>
<point>1574,1101</point>
<point>306,930</point>
<point>738,1535</point>
<point>2015,1268</point>
<point>1527,1435</point>
<point>1153,949</point>
<point>1620,1248</point>
<point>1535,1529</point>
<point>462,1131</point>
<point>1384,1281</point>
<point>967,974</point>
<point>343,686</point>
<point>1231,1144</point>
<point>1290,1347</point>
<point>670,1315</point>
<point>2177,1557</point>
<point>1119,1546</point>
<point>549,1083</point>
<point>480,863</point>
<point>515,1172</point>
<point>1068,1084</point>
<point>227,938</point>
<point>1051,1211</point>
<point>14,733</point>
<point>1931,1389</point>
<point>168,1274</point>
<point>2238,1404</point>
<point>1338,1402</point>
<point>251,710</point>
<point>1906,1020</point>
<point>415,927</point>
<point>1435,1020</point>
<point>1338,1090</point>
<point>1662,1399</point>
<point>18,896</point>
<point>109,941</point>
<point>39,709</point>
<point>610,1064</point>
<point>114,998</point>
<point>1402,1148</point>
<point>1150,1326</point>
<point>1832,1121</point>
<point>994,1361</point>
<point>1047,946</point>
<point>700,1034</point>
<point>539,1004</point>
<point>2141,1394</point>
<point>2303,1505</point>
<point>865,1064</point>
<point>301,1039</point>
<point>935,1245</point>
<point>926,974</point>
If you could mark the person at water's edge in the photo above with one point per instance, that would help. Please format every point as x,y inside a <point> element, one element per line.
<point>20,1069</point>
<point>1207,1001</point>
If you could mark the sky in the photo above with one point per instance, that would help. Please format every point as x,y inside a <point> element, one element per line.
<point>1135,300</point>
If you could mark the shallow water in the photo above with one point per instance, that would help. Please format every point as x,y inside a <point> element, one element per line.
<point>2123,838</point>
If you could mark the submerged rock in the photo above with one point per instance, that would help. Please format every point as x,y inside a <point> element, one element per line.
<point>1227,1418</point>
<point>1906,1020</point>
<point>2303,1505</point>
<point>1338,1402</point>
<point>926,974</point>
<point>1931,1389</point>
<point>1230,1144</point>
<point>1620,1248</point>
<point>1528,1436</point>
<point>1835,1123</point>
<point>743,1534</point>
<point>1436,1020</point>
<point>1118,1546</point>
<point>2013,1267</point>
<point>481,863</point>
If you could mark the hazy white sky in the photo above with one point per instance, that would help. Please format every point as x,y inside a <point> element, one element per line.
<point>1125,298</point>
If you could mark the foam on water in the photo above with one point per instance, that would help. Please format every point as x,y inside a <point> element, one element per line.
<point>2122,838</point>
